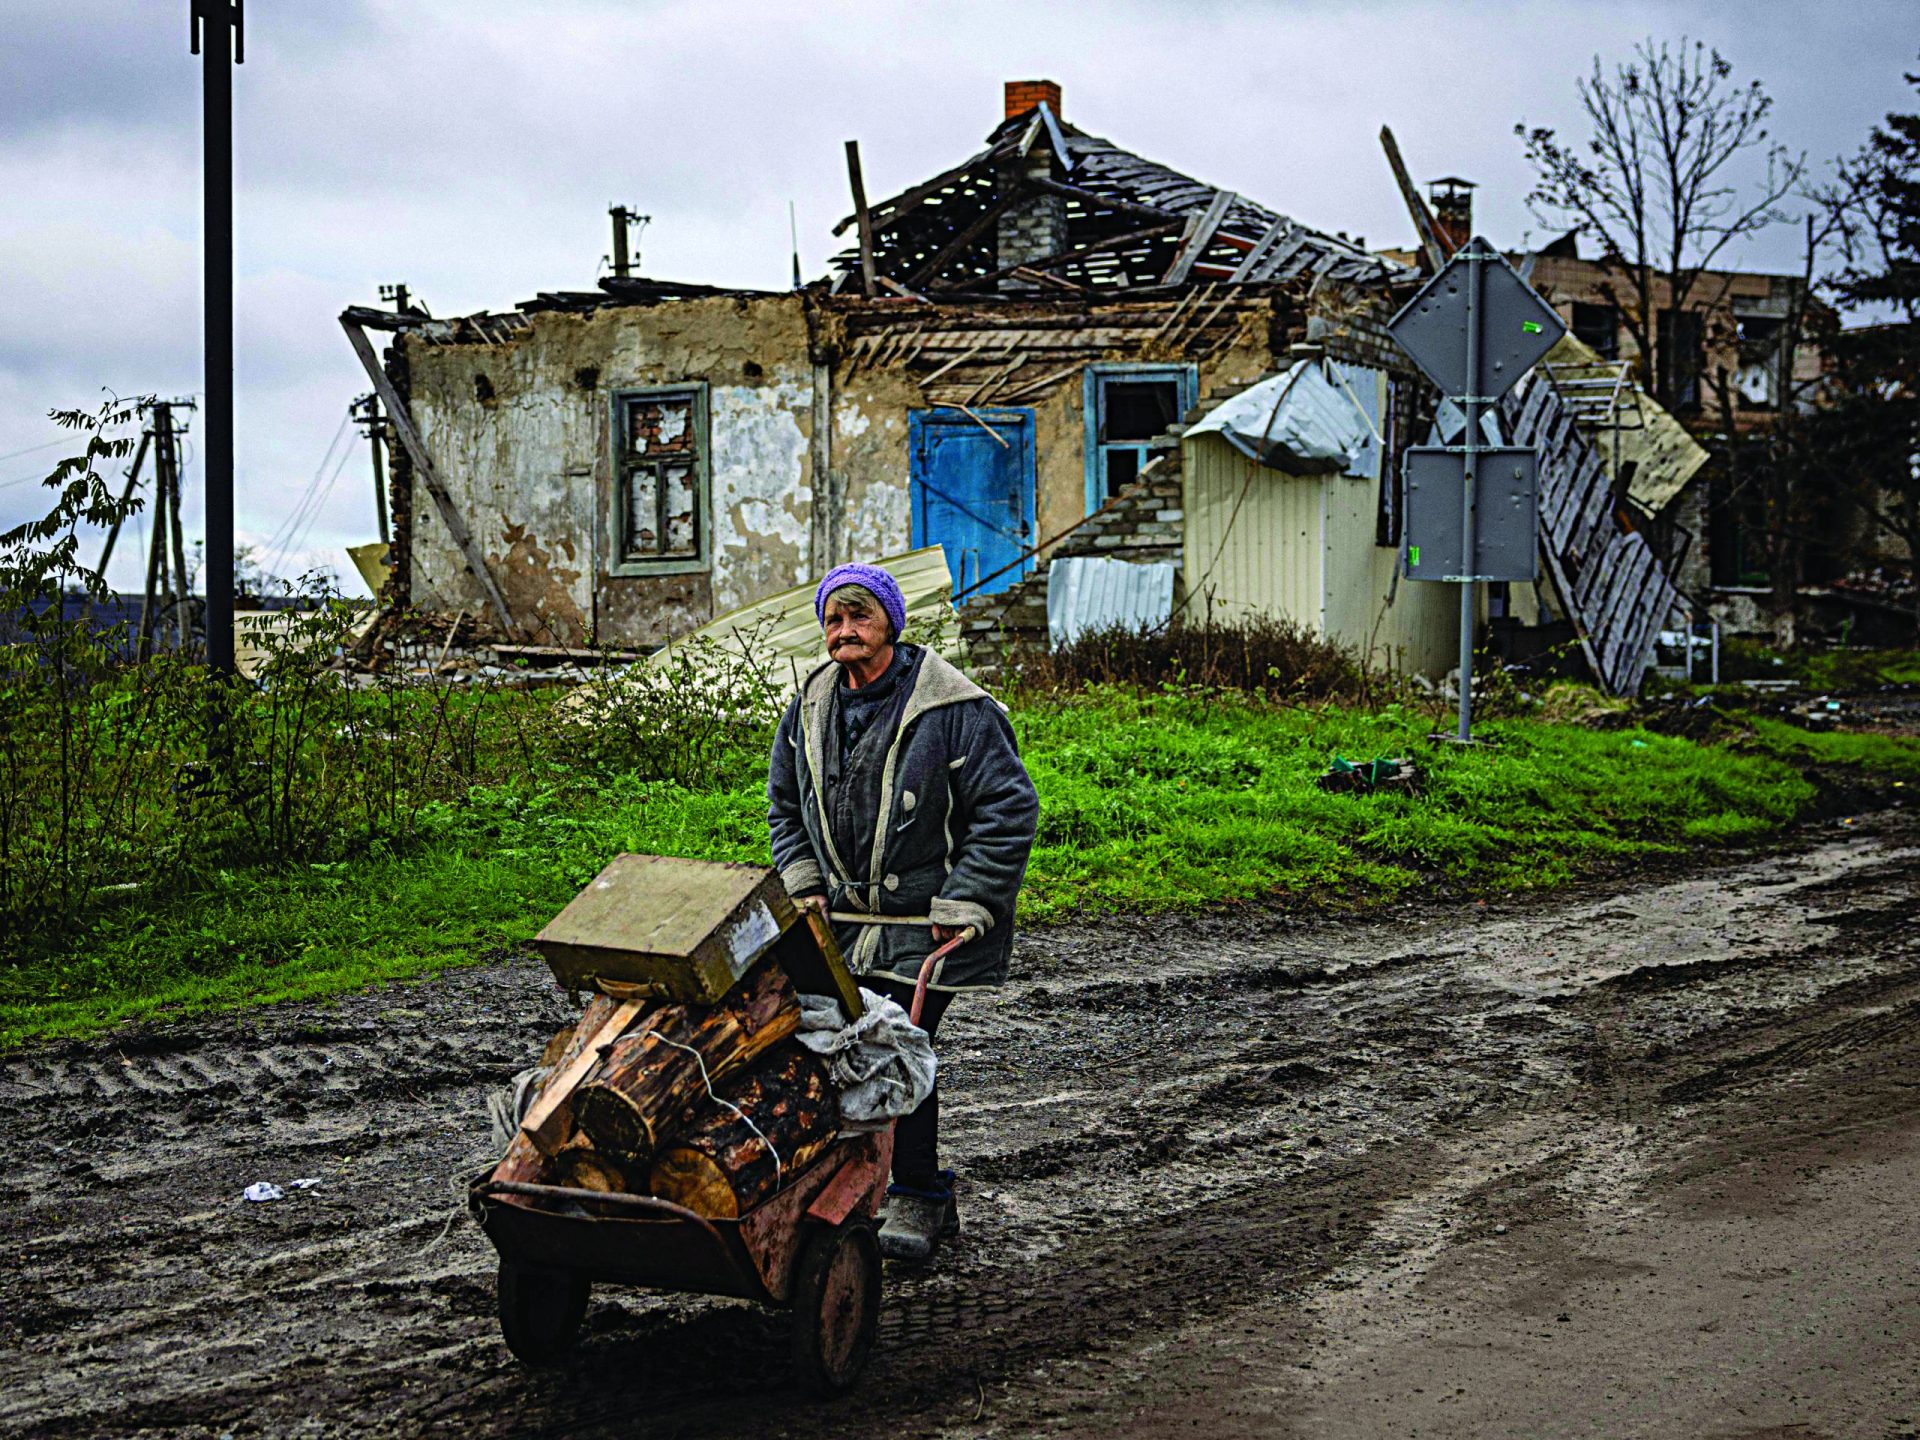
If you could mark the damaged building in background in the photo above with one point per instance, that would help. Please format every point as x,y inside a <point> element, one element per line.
<point>1004,363</point>
<point>989,365</point>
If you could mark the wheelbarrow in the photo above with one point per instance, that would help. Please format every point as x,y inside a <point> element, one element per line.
<point>809,1248</point>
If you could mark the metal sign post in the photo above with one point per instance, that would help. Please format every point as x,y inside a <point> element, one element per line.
<point>1474,329</point>
<point>219,23</point>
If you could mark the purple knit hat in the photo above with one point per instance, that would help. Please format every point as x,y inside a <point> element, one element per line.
<point>884,587</point>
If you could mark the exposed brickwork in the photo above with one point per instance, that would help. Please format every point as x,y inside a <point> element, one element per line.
<point>1034,229</point>
<point>1358,337</point>
<point>1023,95</point>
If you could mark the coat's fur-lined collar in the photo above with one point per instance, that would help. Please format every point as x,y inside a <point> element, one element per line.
<point>939,683</point>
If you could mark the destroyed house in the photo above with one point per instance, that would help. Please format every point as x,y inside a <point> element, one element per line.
<point>1000,364</point>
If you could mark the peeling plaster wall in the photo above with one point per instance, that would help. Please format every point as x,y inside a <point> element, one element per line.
<point>870,451</point>
<point>521,432</point>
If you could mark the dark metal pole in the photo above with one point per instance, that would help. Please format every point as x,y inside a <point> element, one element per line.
<point>1471,446</point>
<point>218,37</point>
<point>622,267</point>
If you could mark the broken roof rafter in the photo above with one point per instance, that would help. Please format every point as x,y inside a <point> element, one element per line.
<point>940,234</point>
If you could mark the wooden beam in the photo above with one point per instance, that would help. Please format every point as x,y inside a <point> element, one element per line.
<point>960,242</point>
<point>402,421</point>
<point>888,211</point>
<point>1261,249</point>
<point>1198,238</point>
<point>1105,202</point>
<point>1424,227</point>
<point>861,214</point>
<point>1047,262</point>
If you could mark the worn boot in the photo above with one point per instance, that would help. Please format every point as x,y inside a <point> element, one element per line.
<point>916,1220</point>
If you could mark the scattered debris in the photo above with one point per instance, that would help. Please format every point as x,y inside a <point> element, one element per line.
<point>1344,776</point>
<point>263,1190</point>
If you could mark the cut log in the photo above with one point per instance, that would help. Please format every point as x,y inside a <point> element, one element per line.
<point>721,1165</point>
<point>549,1120</point>
<point>649,1081</point>
<point>585,1168</point>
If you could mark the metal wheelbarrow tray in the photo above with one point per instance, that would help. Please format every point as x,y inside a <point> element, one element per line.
<point>809,1247</point>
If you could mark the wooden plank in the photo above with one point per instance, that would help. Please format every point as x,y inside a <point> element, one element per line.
<point>1092,198</point>
<point>541,1125</point>
<point>1611,604</point>
<point>1252,259</point>
<point>1281,254</point>
<point>1194,245</point>
<point>1595,576</point>
<point>862,215</point>
<point>1431,244</point>
<point>456,523</point>
<point>1562,592</point>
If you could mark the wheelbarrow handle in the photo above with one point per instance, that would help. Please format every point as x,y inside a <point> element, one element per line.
<point>926,970</point>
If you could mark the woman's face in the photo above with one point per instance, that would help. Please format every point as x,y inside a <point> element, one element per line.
<point>854,632</point>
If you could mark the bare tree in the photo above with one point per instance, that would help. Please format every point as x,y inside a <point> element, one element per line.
<point>1657,184</point>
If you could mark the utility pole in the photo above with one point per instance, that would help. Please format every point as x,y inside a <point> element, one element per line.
<point>166,587</point>
<point>366,410</point>
<point>396,295</point>
<point>218,34</point>
<point>624,221</point>
<point>167,510</point>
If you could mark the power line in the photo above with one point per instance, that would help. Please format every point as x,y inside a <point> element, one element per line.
<point>306,495</point>
<point>33,449</point>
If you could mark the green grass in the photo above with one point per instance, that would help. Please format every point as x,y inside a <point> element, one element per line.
<point>1150,804</point>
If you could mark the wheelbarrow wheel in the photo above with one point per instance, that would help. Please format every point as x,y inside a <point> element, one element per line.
<point>836,1306</point>
<point>540,1311</point>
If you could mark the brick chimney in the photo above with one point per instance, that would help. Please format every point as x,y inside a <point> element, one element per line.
<point>1023,95</point>
<point>1452,203</point>
<point>1037,227</point>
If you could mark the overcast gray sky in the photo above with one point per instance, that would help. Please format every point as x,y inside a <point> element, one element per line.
<point>470,148</point>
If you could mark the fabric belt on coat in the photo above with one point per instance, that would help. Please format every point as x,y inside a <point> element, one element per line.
<point>868,917</point>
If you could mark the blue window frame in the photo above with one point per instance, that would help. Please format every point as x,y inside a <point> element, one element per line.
<point>1126,405</point>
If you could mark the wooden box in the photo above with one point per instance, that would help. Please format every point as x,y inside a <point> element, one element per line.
<point>653,926</point>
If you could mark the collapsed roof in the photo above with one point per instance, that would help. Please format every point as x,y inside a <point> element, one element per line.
<point>1129,223</point>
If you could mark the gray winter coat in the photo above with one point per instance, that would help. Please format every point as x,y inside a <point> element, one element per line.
<point>960,813</point>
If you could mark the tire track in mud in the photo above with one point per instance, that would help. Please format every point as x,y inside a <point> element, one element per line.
<point>1241,1118</point>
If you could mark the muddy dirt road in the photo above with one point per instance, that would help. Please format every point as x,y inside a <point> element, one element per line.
<point>1642,1159</point>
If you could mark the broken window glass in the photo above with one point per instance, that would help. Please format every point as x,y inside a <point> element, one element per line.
<point>660,475</point>
<point>1131,409</point>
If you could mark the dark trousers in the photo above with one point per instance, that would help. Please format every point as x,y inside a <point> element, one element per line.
<point>916,1156</point>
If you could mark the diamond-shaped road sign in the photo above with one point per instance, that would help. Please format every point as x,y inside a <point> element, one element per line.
<point>1517,327</point>
<point>1506,515</point>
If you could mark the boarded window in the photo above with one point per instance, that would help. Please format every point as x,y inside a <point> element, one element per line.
<point>661,475</point>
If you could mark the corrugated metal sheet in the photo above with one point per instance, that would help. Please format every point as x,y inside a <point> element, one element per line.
<point>1610,583</point>
<point>1087,593</point>
<point>1254,537</point>
<point>1302,549</point>
<point>784,633</point>
<point>794,630</point>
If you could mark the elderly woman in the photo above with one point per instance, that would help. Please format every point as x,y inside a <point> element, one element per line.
<point>898,805</point>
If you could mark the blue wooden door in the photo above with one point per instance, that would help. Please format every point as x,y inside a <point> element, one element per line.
<point>972,489</point>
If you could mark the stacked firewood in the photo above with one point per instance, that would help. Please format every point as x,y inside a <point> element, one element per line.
<point>713,1108</point>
